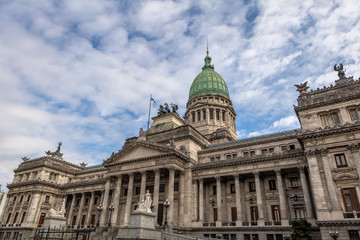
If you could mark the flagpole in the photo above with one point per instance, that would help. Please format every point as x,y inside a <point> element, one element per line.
<point>149,112</point>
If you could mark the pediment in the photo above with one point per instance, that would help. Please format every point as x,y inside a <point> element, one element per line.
<point>137,151</point>
<point>345,176</point>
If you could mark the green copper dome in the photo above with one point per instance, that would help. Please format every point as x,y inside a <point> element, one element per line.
<point>208,82</point>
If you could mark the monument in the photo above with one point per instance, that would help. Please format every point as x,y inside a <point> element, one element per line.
<point>56,218</point>
<point>142,222</point>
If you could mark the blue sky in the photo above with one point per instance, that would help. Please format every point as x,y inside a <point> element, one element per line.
<point>81,72</point>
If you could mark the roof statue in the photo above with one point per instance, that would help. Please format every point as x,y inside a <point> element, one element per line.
<point>25,159</point>
<point>302,87</point>
<point>60,213</point>
<point>145,203</point>
<point>82,165</point>
<point>57,153</point>
<point>340,69</point>
<point>164,110</point>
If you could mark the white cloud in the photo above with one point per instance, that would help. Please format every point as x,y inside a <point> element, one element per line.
<point>287,122</point>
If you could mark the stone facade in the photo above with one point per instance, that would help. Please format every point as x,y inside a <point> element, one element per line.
<point>216,186</point>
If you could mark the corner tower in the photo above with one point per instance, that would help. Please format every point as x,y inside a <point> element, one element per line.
<point>209,108</point>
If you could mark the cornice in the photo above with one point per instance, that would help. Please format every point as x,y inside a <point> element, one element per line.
<point>33,182</point>
<point>328,131</point>
<point>354,222</point>
<point>251,142</point>
<point>84,183</point>
<point>249,160</point>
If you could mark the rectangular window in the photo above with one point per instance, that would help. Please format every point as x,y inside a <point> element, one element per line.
<point>215,214</point>
<point>8,218</point>
<point>275,210</point>
<point>92,222</point>
<point>340,160</point>
<point>162,188</point>
<point>246,236</point>
<point>233,214</point>
<point>279,237</point>
<point>353,114</point>
<point>214,189</point>
<point>292,147</point>
<point>272,184</point>
<point>14,200</point>
<point>228,156</point>
<point>246,154</point>
<point>232,188</point>
<point>21,198</point>
<point>350,199</point>
<point>252,153</point>
<point>354,234</point>
<point>269,237</point>
<point>28,198</point>
<point>335,118</point>
<point>23,217</point>
<point>137,190</point>
<point>284,148</point>
<point>176,186</point>
<point>271,150</point>
<point>211,114</point>
<point>86,201</point>
<point>125,192</point>
<point>254,213</point>
<point>193,116</point>
<point>223,116</point>
<point>218,158</point>
<point>217,115</point>
<point>294,182</point>
<point>47,199</point>
<point>212,159</point>
<point>234,155</point>
<point>204,114</point>
<point>199,115</point>
<point>42,217</point>
<point>96,200</point>
<point>264,151</point>
<point>252,187</point>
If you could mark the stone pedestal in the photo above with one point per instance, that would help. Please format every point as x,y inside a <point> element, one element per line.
<point>142,226</point>
<point>55,222</point>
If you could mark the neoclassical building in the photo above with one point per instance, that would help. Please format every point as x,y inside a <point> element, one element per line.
<point>217,185</point>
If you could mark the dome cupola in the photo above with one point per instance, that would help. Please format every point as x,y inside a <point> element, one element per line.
<point>208,82</point>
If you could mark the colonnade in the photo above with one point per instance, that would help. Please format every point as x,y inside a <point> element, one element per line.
<point>115,195</point>
<point>203,202</point>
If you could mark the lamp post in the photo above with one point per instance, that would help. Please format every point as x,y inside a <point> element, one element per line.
<point>99,208</point>
<point>334,234</point>
<point>111,208</point>
<point>166,205</point>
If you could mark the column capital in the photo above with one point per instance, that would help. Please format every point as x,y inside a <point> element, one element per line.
<point>256,173</point>
<point>130,174</point>
<point>156,170</point>
<point>324,152</point>
<point>277,171</point>
<point>143,172</point>
<point>201,180</point>
<point>218,178</point>
<point>236,176</point>
<point>171,169</point>
<point>301,169</point>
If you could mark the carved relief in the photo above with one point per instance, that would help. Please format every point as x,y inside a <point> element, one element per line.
<point>344,174</point>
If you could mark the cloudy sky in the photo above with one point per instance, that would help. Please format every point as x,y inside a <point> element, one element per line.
<point>81,72</point>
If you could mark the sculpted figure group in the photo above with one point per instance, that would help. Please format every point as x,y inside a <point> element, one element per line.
<point>145,203</point>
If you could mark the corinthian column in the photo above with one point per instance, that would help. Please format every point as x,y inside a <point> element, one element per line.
<point>156,192</point>
<point>282,198</point>
<point>91,205</point>
<point>171,195</point>
<point>259,198</point>
<point>78,220</point>
<point>218,200</point>
<point>238,200</point>
<point>143,183</point>
<point>201,200</point>
<point>129,200</point>
<point>105,203</point>
<point>305,189</point>
<point>115,214</point>
<point>71,209</point>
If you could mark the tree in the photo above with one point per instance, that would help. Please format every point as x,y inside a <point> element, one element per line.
<point>301,229</point>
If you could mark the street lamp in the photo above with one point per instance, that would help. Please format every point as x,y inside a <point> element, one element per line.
<point>111,208</point>
<point>99,208</point>
<point>166,205</point>
<point>334,234</point>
